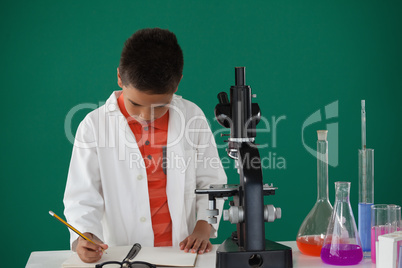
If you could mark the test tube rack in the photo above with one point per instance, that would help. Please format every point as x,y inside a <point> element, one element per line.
<point>387,250</point>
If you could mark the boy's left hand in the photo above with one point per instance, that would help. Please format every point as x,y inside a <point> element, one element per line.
<point>198,241</point>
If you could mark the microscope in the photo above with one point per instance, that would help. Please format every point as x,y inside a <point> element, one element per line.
<point>247,247</point>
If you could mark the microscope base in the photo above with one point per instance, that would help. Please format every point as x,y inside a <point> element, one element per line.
<point>275,255</point>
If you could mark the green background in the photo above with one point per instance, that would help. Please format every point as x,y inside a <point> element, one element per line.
<point>300,56</point>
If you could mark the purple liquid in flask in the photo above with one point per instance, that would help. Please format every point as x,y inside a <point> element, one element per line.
<point>341,254</point>
<point>342,244</point>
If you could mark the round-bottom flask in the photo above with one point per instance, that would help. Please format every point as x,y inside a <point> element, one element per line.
<point>310,237</point>
<point>342,244</point>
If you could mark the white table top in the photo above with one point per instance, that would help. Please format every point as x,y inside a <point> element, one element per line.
<point>54,259</point>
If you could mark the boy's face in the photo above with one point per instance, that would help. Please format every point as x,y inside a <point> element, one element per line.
<point>143,106</point>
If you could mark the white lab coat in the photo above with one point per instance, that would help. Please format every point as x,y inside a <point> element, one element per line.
<point>107,192</point>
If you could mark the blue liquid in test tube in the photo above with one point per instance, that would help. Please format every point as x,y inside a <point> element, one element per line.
<point>365,225</point>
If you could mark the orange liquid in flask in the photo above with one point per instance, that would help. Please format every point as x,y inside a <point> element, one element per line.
<point>310,245</point>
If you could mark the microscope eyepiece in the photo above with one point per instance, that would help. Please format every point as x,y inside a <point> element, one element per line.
<point>240,76</point>
<point>223,98</point>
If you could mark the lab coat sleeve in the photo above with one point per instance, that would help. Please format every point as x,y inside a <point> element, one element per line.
<point>83,200</point>
<point>209,171</point>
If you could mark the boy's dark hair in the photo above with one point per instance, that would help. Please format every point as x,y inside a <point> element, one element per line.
<point>152,61</point>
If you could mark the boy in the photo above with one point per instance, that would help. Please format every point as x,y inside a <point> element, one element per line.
<point>137,159</point>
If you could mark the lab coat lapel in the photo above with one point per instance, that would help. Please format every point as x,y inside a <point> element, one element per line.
<point>175,171</point>
<point>127,143</point>
<point>125,133</point>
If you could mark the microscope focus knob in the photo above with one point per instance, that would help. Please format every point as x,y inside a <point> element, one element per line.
<point>212,220</point>
<point>226,215</point>
<point>212,213</point>
<point>278,213</point>
<point>272,213</point>
<point>234,214</point>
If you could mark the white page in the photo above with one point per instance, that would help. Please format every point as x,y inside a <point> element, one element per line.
<point>160,256</point>
<point>166,256</point>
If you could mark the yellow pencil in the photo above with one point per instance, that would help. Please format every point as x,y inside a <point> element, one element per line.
<point>72,228</point>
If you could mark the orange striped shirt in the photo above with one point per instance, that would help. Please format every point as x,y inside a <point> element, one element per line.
<point>151,139</point>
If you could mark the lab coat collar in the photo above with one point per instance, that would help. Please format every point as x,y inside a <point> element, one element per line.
<point>111,103</point>
<point>159,123</point>
<point>112,106</point>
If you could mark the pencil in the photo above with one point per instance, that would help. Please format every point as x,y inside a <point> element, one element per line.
<point>72,228</point>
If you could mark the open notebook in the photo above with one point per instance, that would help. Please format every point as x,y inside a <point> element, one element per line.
<point>160,256</point>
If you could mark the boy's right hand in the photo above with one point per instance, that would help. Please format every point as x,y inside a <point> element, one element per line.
<point>87,251</point>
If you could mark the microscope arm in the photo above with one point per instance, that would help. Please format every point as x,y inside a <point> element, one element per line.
<point>253,207</point>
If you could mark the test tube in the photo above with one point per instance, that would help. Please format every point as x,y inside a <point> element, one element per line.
<point>394,220</point>
<point>385,219</point>
<point>379,226</point>
<point>366,197</point>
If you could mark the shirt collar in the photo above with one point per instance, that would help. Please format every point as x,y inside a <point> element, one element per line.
<point>160,123</point>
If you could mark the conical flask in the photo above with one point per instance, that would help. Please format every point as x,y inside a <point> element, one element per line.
<point>310,237</point>
<point>342,244</point>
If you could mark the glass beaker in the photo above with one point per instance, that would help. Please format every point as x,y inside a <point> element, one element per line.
<point>342,244</point>
<point>310,237</point>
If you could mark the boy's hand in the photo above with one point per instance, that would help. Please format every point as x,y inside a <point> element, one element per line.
<point>87,251</point>
<point>198,241</point>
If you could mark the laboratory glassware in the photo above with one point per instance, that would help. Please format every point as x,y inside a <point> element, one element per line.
<point>366,196</point>
<point>366,186</point>
<point>394,219</point>
<point>385,219</point>
<point>389,250</point>
<point>342,244</point>
<point>310,237</point>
